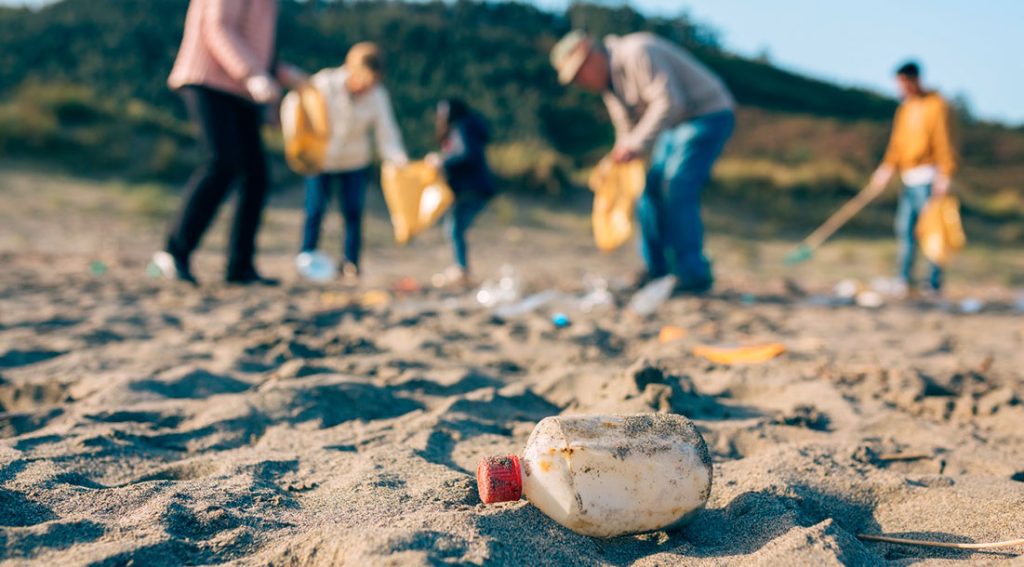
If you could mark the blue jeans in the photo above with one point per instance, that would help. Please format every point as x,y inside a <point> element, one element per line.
<point>460,218</point>
<point>671,229</point>
<point>911,203</point>
<point>352,198</point>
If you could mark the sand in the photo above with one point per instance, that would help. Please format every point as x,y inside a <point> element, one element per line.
<point>148,423</point>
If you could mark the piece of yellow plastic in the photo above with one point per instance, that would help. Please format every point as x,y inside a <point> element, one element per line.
<point>616,188</point>
<point>335,299</point>
<point>417,196</point>
<point>375,298</point>
<point>306,128</point>
<point>670,334</point>
<point>740,355</point>
<point>939,229</point>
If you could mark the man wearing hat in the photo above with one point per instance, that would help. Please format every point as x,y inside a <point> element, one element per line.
<point>667,106</point>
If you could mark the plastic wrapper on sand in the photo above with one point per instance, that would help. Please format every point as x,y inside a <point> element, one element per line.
<point>939,229</point>
<point>740,355</point>
<point>616,188</point>
<point>416,195</point>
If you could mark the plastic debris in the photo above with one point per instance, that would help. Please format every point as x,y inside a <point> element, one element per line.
<point>669,334</point>
<point>748,299</point>
<point>972,305</point>
<point>740,355</point>
<point>97,268</point>
<point>375,298</point>
<point>407,284</point>
<point>598,296</point>
<point>528,305</point>
<point>619,474</point>
<point>890,287</point>
<point>652,296</point>
<point>560,320</point>
<point>870,299</point>
<point>153,271</point>
<point>331,299</point>
<point>506,289</point>
<point>847,289</point>
<point>316,266</point>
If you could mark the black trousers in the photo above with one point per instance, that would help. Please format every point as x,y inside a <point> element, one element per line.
<point>229,130</point>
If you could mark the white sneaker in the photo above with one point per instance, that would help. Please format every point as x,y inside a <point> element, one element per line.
<point>164,262</point>
<point>453,276</point>
<point>167,267</point>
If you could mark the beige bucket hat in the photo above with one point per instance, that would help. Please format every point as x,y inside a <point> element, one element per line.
<point>569,54</point>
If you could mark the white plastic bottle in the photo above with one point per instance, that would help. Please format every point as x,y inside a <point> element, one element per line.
<point>608,475</point>
<point>646,301</point>
<point>316,266</point>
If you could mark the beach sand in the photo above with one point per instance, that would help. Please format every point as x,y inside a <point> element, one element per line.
<point>147,423</point>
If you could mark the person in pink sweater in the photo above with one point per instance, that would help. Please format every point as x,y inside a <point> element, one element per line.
<point>226,71</point>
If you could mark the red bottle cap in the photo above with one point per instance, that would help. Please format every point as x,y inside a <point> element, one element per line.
<point>498,479</point>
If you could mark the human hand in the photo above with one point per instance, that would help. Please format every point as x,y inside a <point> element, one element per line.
<point>263,88</point>
<point>940,187</point>
<point>434,160</point>
<point>622,154</point>
<point>881,178</point>
<point>291,76</point>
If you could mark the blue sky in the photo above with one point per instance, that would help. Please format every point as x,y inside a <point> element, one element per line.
<point>971,47</point>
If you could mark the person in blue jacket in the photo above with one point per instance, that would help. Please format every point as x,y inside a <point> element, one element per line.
<point>462,135</point>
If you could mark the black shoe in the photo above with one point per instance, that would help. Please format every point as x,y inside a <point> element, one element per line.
<point>172,266</point>
<point>251,277</point>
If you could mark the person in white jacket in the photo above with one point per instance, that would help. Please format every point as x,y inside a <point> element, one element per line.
<point>358,105</point>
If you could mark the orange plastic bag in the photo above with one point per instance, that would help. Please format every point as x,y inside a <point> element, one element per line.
<point>616,188</point>
<point>306,128</point>
<point>417,196</point>
<point>939,229</point>
<point>740,355</point>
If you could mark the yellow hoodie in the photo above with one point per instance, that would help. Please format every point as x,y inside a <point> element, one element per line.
<point>921,135</point>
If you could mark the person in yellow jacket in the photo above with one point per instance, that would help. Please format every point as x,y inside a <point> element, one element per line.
<point>921,151</point>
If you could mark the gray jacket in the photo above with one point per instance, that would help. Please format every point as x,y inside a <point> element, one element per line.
<point>657,85</point>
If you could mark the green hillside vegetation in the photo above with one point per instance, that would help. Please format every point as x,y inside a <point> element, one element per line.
<point>82,85</point>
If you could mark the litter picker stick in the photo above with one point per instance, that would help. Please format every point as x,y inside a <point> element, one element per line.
<point>834,223</point>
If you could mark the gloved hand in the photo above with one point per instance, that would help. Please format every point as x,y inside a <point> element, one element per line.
<point>263,88</point>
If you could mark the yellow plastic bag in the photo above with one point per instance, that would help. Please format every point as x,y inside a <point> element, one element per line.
<point>939,229</point>
<point>417,196</point>
<point>740,355</point>
<point>306,128</point>
<point>616,188</point>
